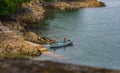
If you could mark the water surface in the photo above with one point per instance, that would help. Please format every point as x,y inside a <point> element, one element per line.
<point>96,33</point>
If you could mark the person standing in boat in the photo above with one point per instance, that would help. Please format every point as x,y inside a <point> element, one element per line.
<point>65,39</point>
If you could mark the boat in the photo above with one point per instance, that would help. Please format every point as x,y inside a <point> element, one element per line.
<point>61,44</point>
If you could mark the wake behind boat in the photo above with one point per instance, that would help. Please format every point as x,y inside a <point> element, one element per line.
<point>61,44</point>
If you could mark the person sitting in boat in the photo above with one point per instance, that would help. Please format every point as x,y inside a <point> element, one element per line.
<point>65,39</point>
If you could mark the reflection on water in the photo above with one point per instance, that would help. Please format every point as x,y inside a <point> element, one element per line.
<point>96,32</point>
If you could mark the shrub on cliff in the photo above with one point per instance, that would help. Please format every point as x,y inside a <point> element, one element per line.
<point>8,6</point>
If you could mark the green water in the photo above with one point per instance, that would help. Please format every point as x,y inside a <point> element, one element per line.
<point>96,33</point>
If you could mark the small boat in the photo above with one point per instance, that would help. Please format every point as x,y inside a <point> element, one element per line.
<point>61,44</point>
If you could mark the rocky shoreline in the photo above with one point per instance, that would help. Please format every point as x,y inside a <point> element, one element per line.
<point>15,29</point>
<point>16,40</point>
<point>15,36</point>
<point>74,5</point>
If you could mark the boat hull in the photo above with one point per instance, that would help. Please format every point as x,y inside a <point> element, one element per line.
<point>61,44</point>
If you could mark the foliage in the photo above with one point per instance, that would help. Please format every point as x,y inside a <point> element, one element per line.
<point>9,6</point>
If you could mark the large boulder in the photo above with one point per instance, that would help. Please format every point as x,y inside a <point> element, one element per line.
<point>31,36</point>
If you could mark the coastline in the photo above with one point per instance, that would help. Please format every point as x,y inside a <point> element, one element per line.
<point>17,38</point>
<point>74,5</point>
<point>17,27</point>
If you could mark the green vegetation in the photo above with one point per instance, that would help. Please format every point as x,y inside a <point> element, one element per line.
<point>9,6</point>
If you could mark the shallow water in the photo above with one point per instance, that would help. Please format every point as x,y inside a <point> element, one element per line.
<point>96,33</point>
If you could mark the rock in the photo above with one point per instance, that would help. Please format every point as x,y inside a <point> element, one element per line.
<point>1,32</point>
<point>0,23</point>
<point>17,45</point>
<point>61,5</point>
<point>30,13</point>
<point>75,5</point>
<point>15,25</point>
<point>31,36</point>
<point>0,29</point>
<point>35,1</point>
